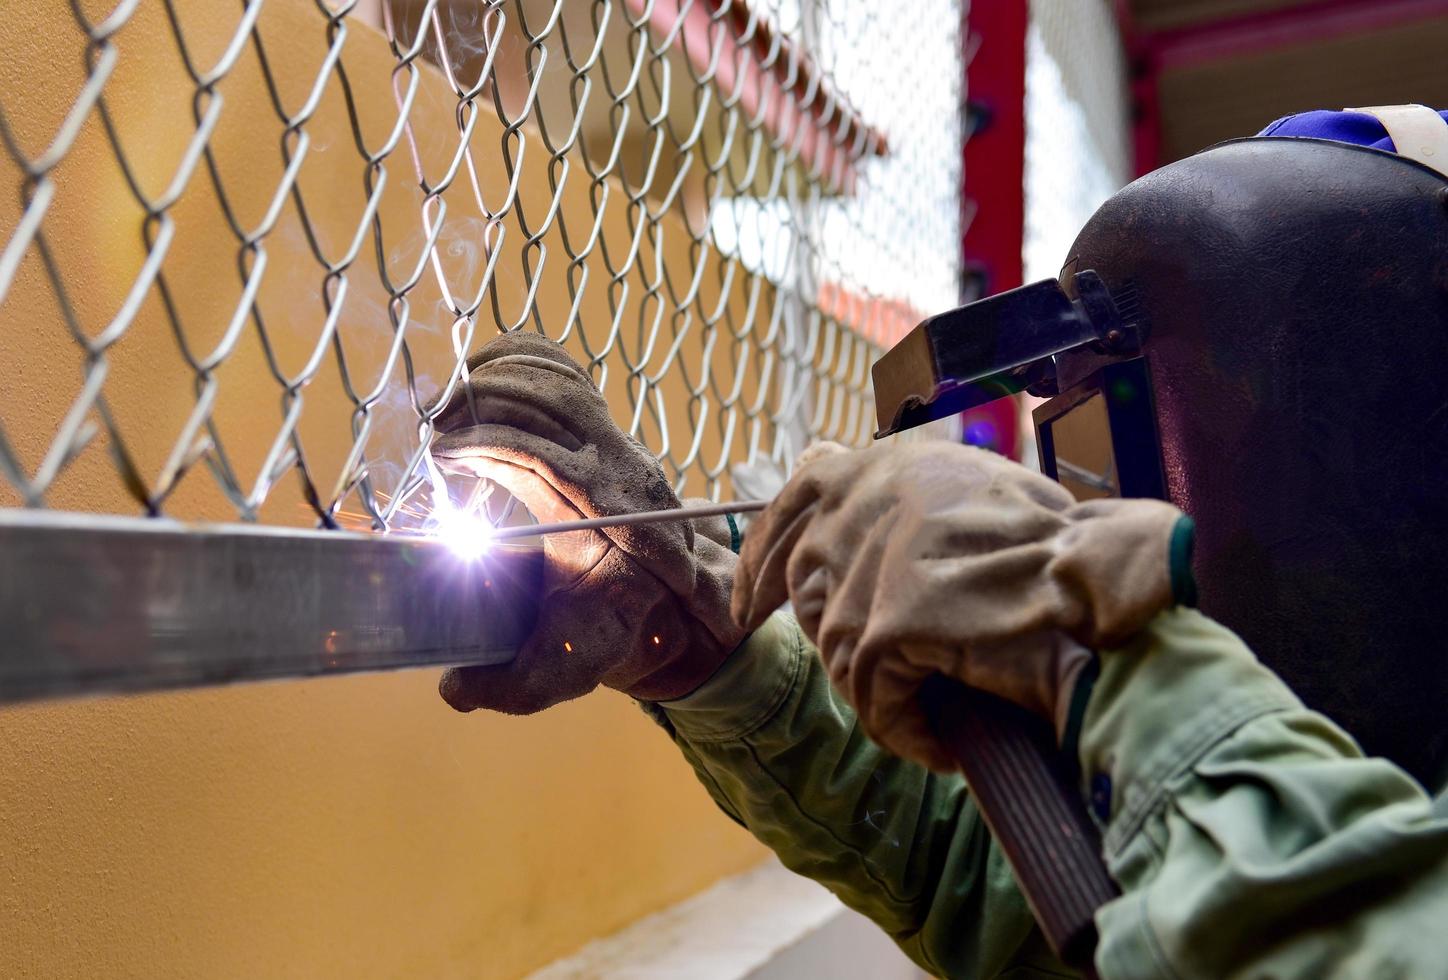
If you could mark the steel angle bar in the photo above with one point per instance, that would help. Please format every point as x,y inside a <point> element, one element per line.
<point>96,604</point>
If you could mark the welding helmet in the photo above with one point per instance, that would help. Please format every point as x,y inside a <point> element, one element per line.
<point>1259,334</point>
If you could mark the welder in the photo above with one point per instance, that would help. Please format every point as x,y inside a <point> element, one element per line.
<point>1298,283</point>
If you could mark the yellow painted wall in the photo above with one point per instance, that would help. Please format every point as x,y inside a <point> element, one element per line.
<point>341,827</point>
<point>348,826</point>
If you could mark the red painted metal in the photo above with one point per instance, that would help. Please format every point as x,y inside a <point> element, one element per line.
<point>993,192</point>
<point>995,153</point>
<point>1145,118</point>
<point>1143,72</point>
<point>1269,30</point>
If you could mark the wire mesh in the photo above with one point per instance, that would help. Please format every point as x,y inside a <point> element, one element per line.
<point>1078,139</point>
<point>252,246</point>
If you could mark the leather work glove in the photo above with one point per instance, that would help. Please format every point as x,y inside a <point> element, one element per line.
<point>642,609</point>
<point>925,558</point>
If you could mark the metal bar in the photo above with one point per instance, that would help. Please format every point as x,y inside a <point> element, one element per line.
<point>1082,475</point>
<point>95,604</point>
<point>618,520</point>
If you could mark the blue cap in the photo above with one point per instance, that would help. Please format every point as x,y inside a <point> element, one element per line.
<point>1344,127</point>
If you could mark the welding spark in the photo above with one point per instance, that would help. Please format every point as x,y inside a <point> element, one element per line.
<point>469,535</point>
<point>466,530</point>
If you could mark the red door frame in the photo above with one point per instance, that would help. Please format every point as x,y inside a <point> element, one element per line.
<point>993,206</point>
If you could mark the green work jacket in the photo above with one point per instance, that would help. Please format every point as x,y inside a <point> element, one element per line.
<point>1249,835</point>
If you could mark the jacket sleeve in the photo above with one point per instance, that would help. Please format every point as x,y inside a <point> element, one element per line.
<point>782,754</point>
<point>1250,835</point>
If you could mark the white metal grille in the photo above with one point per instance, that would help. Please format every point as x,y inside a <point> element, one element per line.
<point>252,245</point>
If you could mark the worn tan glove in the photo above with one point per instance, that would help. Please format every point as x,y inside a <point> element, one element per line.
<point>930,558</point>
<point>642,609</point>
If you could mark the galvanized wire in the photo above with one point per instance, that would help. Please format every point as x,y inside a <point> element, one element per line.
<point>1078,137</point>
<point>723,209</point>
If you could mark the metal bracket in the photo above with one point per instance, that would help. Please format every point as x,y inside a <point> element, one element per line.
<point>997,346</point>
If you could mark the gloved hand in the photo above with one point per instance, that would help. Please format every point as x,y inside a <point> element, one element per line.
<point>642,609</point>
<point>930,558</point>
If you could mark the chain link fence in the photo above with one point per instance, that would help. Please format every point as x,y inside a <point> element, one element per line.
<point>250,245</point>
<point>1078,135</point>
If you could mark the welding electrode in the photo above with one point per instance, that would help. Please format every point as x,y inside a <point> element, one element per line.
<point>642,517</point>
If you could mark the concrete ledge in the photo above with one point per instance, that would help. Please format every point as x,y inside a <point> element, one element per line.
<point>765,924</point>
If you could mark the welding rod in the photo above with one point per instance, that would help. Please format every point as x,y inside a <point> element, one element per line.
<point>642,517</point>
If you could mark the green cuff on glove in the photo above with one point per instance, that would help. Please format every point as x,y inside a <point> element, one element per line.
<point>1183,582</point>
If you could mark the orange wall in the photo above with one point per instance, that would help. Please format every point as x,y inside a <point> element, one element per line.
<point>348,826</point>
<point>341,827</point>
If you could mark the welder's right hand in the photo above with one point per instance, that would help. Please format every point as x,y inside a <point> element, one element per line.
<point>643,609</point>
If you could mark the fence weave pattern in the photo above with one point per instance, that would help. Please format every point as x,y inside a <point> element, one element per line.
<point>250,246</point>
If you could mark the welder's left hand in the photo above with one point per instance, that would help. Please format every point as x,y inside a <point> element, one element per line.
<point>643,609</point>
<point>912,560</point>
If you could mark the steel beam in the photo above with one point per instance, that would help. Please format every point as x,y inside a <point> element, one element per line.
<point>94,604</point>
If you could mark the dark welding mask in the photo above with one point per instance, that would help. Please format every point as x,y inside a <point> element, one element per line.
<point>1259,334</point>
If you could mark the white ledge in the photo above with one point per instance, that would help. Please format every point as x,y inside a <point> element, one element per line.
<point>764,923</point>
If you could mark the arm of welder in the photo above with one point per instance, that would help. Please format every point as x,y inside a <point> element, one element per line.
<point>781,752</point>
<point>1250,835</point>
